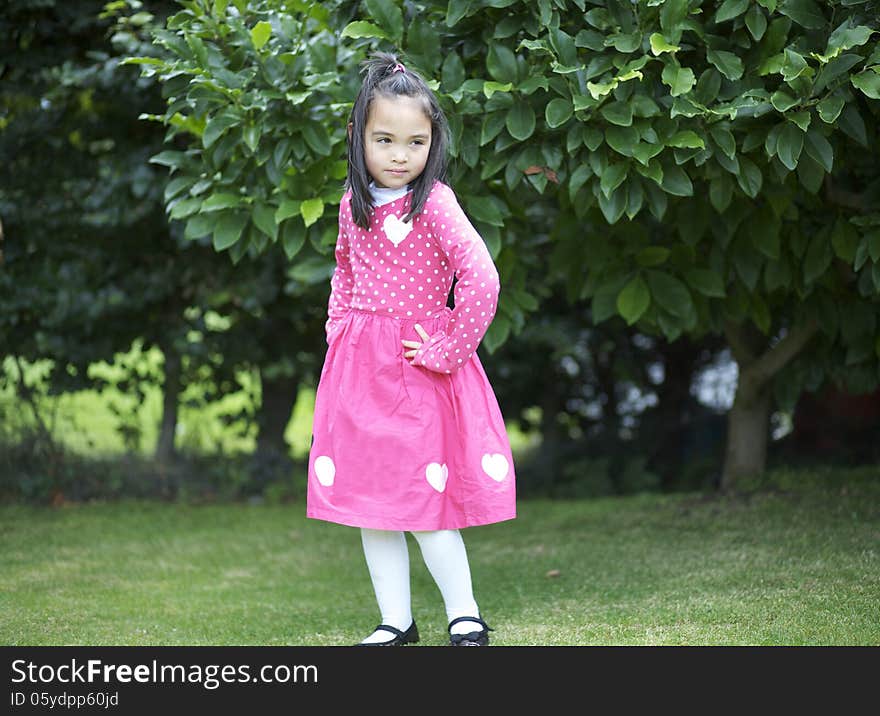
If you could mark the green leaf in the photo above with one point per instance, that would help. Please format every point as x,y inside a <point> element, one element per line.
<point>625,42</point>
<point>199,225</point>
<point>613,177</point>
<point>805,13</point>
<point>501,63</point>
<point>578,179</point>
<point>362,28</point>
<point>818,258</point>
<point>222,200</point>
<point>260,34</point>
<point>453,72</point>
<point>709,283</point>
<point>810,174</point>
<point>830,108</point>
<point>845,240</point>
<point>748,264</point>
<point>873,241</point>
<point>721,192</point>
<point>521,120</point>
<point>659,45</point>
<point>317,138</point>
<point>727,63</point>
<point>846,37</point>
<point>312,210</point>
<point>764,232</point>
<point>653,256</point>
<point>819,149</point>
<point>756,22</point>
<point>185,207</point>
<point>633,300</point>
<point>853,125</point>
<point>264,220</point>
<point>483,208</point>
<point>612,207</point>
<point>643,151</point>
<point>558,112</point>
<point>287,208</point>
<point>217,126</point>
<point>228,228</point>
<point>388,16</point>
<point>789,145</point>
<point>490,88</point>
<point>793,66</point>
<point>679,79</point>
<point>622,140</point>
<point>176,186</point>
<point>782,101</point>
<point>725,140</point>
<point>677,182</point>
<point>619,113</point>
<point>686,139</point>
<point>455,11</point>
<point>670,293</point>
<point>293,236</point>
<point>749,177</point>
<point>730,9</point>
<point>672,15</point>
<point>868,82</point>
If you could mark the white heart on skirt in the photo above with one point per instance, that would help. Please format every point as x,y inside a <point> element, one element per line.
<point>395,229</point>
<point>495,465</point>
<point>436,475</point>
<point>325,470</point>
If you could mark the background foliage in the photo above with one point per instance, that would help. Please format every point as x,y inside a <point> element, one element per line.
<point>657,182</point>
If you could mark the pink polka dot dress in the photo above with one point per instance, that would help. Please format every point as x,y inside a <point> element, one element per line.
<point>400,445</point>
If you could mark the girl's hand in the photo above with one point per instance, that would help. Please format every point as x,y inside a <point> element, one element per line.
<point>415,345</point>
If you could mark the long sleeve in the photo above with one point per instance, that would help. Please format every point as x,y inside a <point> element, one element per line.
<point>341,284</point>
<point>476,291</point>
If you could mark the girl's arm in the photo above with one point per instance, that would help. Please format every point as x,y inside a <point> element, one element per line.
<point>341,284</point>
<point>476,290</point>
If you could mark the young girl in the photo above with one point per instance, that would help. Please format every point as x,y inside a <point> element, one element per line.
<point>408,435</point>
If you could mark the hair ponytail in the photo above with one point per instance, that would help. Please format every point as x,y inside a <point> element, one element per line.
<point>385,75</point>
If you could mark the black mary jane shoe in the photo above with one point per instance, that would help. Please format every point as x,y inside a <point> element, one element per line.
<point>472,638</point>
<point>401,638</point>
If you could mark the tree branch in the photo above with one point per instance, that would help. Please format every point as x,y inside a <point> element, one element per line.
<point>774,360</point>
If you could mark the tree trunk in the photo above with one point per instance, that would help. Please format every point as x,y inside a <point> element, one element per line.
<point>748,425</point>
<point>165,450</point>
<point>749,418</point>
<point>279,397</point>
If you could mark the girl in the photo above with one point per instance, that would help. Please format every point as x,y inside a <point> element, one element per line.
<point>408,435</point>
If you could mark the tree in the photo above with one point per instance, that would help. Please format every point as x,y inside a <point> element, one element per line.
<point>701,161</point>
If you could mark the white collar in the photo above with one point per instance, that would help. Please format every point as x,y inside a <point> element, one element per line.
<point>384,195</point>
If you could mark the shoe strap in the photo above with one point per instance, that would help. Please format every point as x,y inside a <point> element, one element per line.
<point>469,619</point>
<point>390,628</point>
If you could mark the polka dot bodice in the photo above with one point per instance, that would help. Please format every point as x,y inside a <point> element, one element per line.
<point>406,270</point>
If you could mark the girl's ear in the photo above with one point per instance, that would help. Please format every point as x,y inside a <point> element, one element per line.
<point>349,131</point>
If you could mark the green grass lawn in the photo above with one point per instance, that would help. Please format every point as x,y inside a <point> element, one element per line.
<point>794,561</point>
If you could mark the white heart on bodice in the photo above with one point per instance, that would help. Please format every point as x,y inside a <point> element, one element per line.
<point>395,229</point>
<point>436,475</point>
<point>495,466</point>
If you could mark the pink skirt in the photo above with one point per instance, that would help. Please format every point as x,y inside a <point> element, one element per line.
<point>399,447</point>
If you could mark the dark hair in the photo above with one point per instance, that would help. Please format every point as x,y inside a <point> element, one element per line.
<point>385,75</point>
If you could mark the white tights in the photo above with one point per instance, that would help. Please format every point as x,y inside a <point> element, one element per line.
<point>446,559</point>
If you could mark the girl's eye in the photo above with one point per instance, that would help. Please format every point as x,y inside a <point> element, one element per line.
<point>383,140</point>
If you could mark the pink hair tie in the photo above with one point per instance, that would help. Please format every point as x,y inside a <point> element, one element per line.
<point>398,68</point>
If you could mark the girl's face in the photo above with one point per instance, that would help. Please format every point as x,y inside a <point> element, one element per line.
<point>397,139</point>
